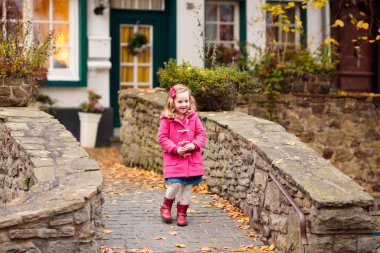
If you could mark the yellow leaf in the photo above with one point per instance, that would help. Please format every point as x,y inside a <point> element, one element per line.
<point>329,41</point>
<point>291,4</point>
<point>159,238</point>
<point>339,23</point>
<point>286,28</point>
<point>378,37</point>
<point>107,231</point>
<point>173,233</point>
<point>298,21</point>
<point>362,25</point>
<point>271,247</point>
<point>252,234</point>
<point>371,41</point>
<point>278,161</point>
<point>180,245</point>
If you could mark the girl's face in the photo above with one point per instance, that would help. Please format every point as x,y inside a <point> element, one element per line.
<point>182,102</point>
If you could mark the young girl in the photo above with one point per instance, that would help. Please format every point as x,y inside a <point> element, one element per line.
<point>181,135</point>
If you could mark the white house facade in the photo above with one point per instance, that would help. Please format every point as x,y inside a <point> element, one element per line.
<point>93,38</point>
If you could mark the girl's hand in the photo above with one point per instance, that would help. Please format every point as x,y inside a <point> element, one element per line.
<point>189,147</point>
<point>181,151</point>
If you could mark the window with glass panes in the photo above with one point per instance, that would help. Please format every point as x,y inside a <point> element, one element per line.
<point>274,33</point>
<point>222,23</point>
<point>136,69</point>
<point>60,16</point>
<point>139,4</point>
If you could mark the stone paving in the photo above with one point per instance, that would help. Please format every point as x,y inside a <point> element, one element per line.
<point>132,221</point>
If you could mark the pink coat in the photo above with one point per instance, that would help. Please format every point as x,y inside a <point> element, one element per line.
<point>172,134</point>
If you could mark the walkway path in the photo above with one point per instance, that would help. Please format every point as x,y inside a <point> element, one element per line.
<point>132,222</point>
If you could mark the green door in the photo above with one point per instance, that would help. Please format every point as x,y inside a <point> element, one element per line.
<point>138,69</point>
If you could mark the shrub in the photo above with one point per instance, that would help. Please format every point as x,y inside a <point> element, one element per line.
<point>214,88</point>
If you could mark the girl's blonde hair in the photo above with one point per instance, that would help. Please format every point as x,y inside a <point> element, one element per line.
<point>179,88</point>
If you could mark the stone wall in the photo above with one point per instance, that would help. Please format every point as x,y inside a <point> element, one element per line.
<point>343,129</point>
<point>51,192</point>
<point>15,167</point>
<point>240,153</point>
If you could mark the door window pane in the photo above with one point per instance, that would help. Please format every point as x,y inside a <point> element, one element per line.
<point>143,74</point>
<point>126,56</point>
<point>126,34</point>
<point>61,10</point>
<point>211,12</point>
<point>226,13</point>
<point>127,74</point>
<point>62,34</point>
<point>40,10</point>
<point>144,57</point>
<point>211,32</point>
<point>61,59</point>
<point>227,32</point>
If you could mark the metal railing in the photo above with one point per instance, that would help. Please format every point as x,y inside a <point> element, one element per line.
<point>301,215</point>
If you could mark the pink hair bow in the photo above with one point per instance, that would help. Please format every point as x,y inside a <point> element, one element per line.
<point>172,92</point>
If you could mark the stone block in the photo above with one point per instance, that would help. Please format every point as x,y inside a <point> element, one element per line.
<point>346,244</point>
<point>342,220</point>
<point>366,244</point>
<point>278,222</point>
<point>66,231</point>
<point>44,174</point>
<point>260,178</point>
<point>30,233</point>
<point>320,244</point>
<point>82,215</point>
<point>62,246</point>
<point>272,197</point>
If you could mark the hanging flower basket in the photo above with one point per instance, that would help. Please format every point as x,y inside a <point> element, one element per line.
<point>137,43</point>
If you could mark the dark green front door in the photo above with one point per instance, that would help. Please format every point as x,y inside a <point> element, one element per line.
<point>138,69</point>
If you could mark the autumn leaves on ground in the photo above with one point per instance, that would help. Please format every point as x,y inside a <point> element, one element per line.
<point>116,178</point>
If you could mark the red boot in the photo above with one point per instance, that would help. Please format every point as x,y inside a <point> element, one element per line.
<point>166,210</point>
<point>181,214</point>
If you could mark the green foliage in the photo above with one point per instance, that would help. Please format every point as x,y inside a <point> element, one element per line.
<point>22,53</point>
<point>210,82</point>
<point>279,69</point>
<point>137,41</point>
<point>92,105</point>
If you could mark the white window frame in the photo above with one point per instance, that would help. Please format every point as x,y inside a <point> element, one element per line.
<point>235,23</point>
<point>135,64</point>
<point>71,73</point>
<point>297,34</point>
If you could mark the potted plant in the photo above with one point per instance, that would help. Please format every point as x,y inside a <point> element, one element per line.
<point>89,119</point>
<point>215,89</point>
<point>23,57</point>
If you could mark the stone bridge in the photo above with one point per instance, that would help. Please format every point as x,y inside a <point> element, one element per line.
<point>247,161</point>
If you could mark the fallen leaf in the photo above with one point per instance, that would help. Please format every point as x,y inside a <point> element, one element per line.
<point>291,143</point>
<point>278,161</point>
<point>252,234</point>
<point>173,233</point>
<point>207,221</point>
<point>180,245</point>
<point>189,210</point>
<point>171,227</point>
<point>159,238</point>
<point>107,231</point>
